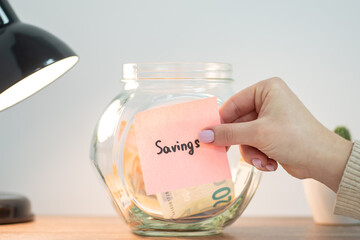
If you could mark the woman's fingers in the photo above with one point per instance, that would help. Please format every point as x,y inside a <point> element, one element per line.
<point>258,159</point>
<point>247,100</point>
<point>230,134</point>
<point>247,118</point>
<point>238,105</point>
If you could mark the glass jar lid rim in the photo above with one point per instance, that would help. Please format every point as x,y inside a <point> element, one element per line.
<point>177,70</point>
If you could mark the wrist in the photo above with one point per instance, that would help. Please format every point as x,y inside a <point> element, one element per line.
<point>330,162</point>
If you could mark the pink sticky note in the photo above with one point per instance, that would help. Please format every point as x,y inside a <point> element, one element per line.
<point>171,157</point>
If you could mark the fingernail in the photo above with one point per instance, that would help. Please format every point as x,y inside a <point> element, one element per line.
<point>257,163</point>
<point>206,136</point>
<point>270,167</point>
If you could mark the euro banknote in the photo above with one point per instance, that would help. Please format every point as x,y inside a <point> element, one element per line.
<point>187,202</point>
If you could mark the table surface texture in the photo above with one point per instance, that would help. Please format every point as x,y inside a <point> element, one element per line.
<point>109,228</point>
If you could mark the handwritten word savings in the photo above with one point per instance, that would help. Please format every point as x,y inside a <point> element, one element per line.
<point>178,147</point>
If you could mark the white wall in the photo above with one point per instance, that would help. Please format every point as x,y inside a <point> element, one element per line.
<point>44,141</point>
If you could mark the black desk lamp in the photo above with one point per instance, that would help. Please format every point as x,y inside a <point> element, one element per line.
<point>30,59</point>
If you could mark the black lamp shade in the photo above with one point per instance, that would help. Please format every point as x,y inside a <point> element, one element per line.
<point>30,58</point>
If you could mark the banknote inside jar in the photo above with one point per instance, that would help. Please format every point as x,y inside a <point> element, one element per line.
<point>193,203</point>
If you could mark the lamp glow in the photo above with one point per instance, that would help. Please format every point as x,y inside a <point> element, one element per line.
<point>35,82</point>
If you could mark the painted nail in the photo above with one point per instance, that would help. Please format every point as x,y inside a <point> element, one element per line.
<point>270,167</point>
<point>206,136</point>
<point>257,163</point>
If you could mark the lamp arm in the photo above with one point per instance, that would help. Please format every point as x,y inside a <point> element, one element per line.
<point>7,14</point>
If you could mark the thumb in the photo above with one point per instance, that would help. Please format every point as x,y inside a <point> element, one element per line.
<point>229,134</point>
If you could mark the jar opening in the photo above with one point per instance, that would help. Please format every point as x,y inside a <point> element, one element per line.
<point>177,70</point>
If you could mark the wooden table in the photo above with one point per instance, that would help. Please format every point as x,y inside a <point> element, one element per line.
<point>107,228</point>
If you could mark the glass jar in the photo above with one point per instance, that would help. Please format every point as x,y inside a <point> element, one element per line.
<point>114,150</point>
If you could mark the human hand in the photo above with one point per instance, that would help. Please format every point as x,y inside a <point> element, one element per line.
<point>271,125</point>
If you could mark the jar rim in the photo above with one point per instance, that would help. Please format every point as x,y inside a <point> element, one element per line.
<point>177,71</point>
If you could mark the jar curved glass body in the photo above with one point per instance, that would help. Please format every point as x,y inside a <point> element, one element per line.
<point>114,151</point>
